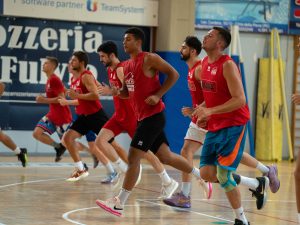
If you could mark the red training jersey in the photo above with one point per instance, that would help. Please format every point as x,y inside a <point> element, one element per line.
<point>85,107</point>
<point>123,108</point>
<point>58,114</point>
<point>216,92</point>
<point>195,88</point>
<point>140,87</point>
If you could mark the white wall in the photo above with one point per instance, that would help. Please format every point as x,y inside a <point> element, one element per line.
<point>255,46</point>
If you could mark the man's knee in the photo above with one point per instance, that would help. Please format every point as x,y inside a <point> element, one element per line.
<point>225,179</point>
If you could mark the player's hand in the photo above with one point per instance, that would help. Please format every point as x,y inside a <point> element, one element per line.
<point>187,111</point>
<point>296,99</point>
<point>202,113</point>
<point>2,88</point>
<point>152,100</point>
<point>62,101</point>
<point>104,89</point>
<point>72,94</point>
<point>40,99</point>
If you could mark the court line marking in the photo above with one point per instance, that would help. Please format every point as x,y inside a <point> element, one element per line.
<point>65,216</point>
<point>29,182</point>
<point>187,210</point>
<point>2,224</point>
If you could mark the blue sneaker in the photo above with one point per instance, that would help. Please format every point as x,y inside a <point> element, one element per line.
<point>110,178</point>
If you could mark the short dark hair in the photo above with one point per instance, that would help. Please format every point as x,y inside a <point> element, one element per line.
<point>53,60</point>
<point>82,57</point>
<point>108,47</point>
<point>193,42</point>
<point>225,35</point>
<point>137,33</point>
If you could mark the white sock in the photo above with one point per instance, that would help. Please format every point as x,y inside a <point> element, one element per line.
<point>262,168</point>
<point>123,196</point>
<point>79,165</point>
<point>186,188</point>
<point>196,172</point>
<point>249,182</point>
<point>121,165</point>
<point>299,218</point>
<point>17,151</point>
<point>164,176</point>
<point>239,214</point>
<point>109,168</point>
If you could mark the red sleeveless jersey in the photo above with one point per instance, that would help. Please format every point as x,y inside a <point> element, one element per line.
<point>123,107</point>
<point>58,114</point>
<point>216,92</point>
<point>85,107</point>
<point>141,87</point>
<point>195,88</point>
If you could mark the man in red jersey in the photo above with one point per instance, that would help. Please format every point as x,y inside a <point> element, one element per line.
<point>195,135</point>
<point>21,153</point>
<point>59,117</point>
<point>194,138</point>
<point>124,119</point>
<point>226,114</point>
<point>144,90</point>
<point>91,115</point>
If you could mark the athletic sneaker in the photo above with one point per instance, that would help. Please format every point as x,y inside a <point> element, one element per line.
<point>239,222</point>
<point>261,192</point>
<point>79,174</point>
<point>22,156</point>
<point>120,181</point>
<point>59,152</point>
<point>110,178</point>
<point>139,177</point>
<point>168,190</point>
<point>111,205</point>
<point>273,177</point>
<point>178,200</point>
<point>207,188</point>
<point>95,161</point>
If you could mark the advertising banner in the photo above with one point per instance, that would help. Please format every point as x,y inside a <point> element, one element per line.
<point>126,12</point>
<point>249,15</point>
<point>295,17</point>
<point>24,44</point>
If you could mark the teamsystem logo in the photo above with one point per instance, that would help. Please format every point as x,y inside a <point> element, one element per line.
<point>91,5</point>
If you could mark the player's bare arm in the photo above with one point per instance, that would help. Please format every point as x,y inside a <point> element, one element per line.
<point>123,92</point>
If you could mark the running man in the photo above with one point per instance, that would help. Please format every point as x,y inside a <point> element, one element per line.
<point>59,117</point>
<point>194,139</point>
<point>226,114</point>
<point>91,115</point>
<point>124,119</point>
<point>21,153</point>
<point>97,155</point>
<point>144,89</point>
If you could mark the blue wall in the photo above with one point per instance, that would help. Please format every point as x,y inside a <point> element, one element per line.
<point>175,99</point>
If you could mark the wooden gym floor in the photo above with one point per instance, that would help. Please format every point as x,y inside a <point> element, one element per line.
<point>39,194</point>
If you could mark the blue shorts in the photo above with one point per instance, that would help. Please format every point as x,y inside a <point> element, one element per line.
<point>90,135</point>
<point>48,126</point>
<point>224,148</point>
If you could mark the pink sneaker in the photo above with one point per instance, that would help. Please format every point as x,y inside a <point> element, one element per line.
<point>207,188</point>
<point>111,205</point>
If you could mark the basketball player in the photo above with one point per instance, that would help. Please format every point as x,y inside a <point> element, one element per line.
<point>124,119</point>
<point>59,117</point>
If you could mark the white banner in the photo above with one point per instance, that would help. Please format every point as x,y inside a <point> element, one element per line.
<point>127,12</point>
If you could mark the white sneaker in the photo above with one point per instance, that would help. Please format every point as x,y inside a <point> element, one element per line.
<point>168,190</point>
<point>119,182</point>
<point>207,188</point>
<point>139,177</point>
<point>111,205</point>
<point>78,175</point>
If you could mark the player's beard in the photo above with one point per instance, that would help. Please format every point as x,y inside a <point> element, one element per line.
<point>185,57</point>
